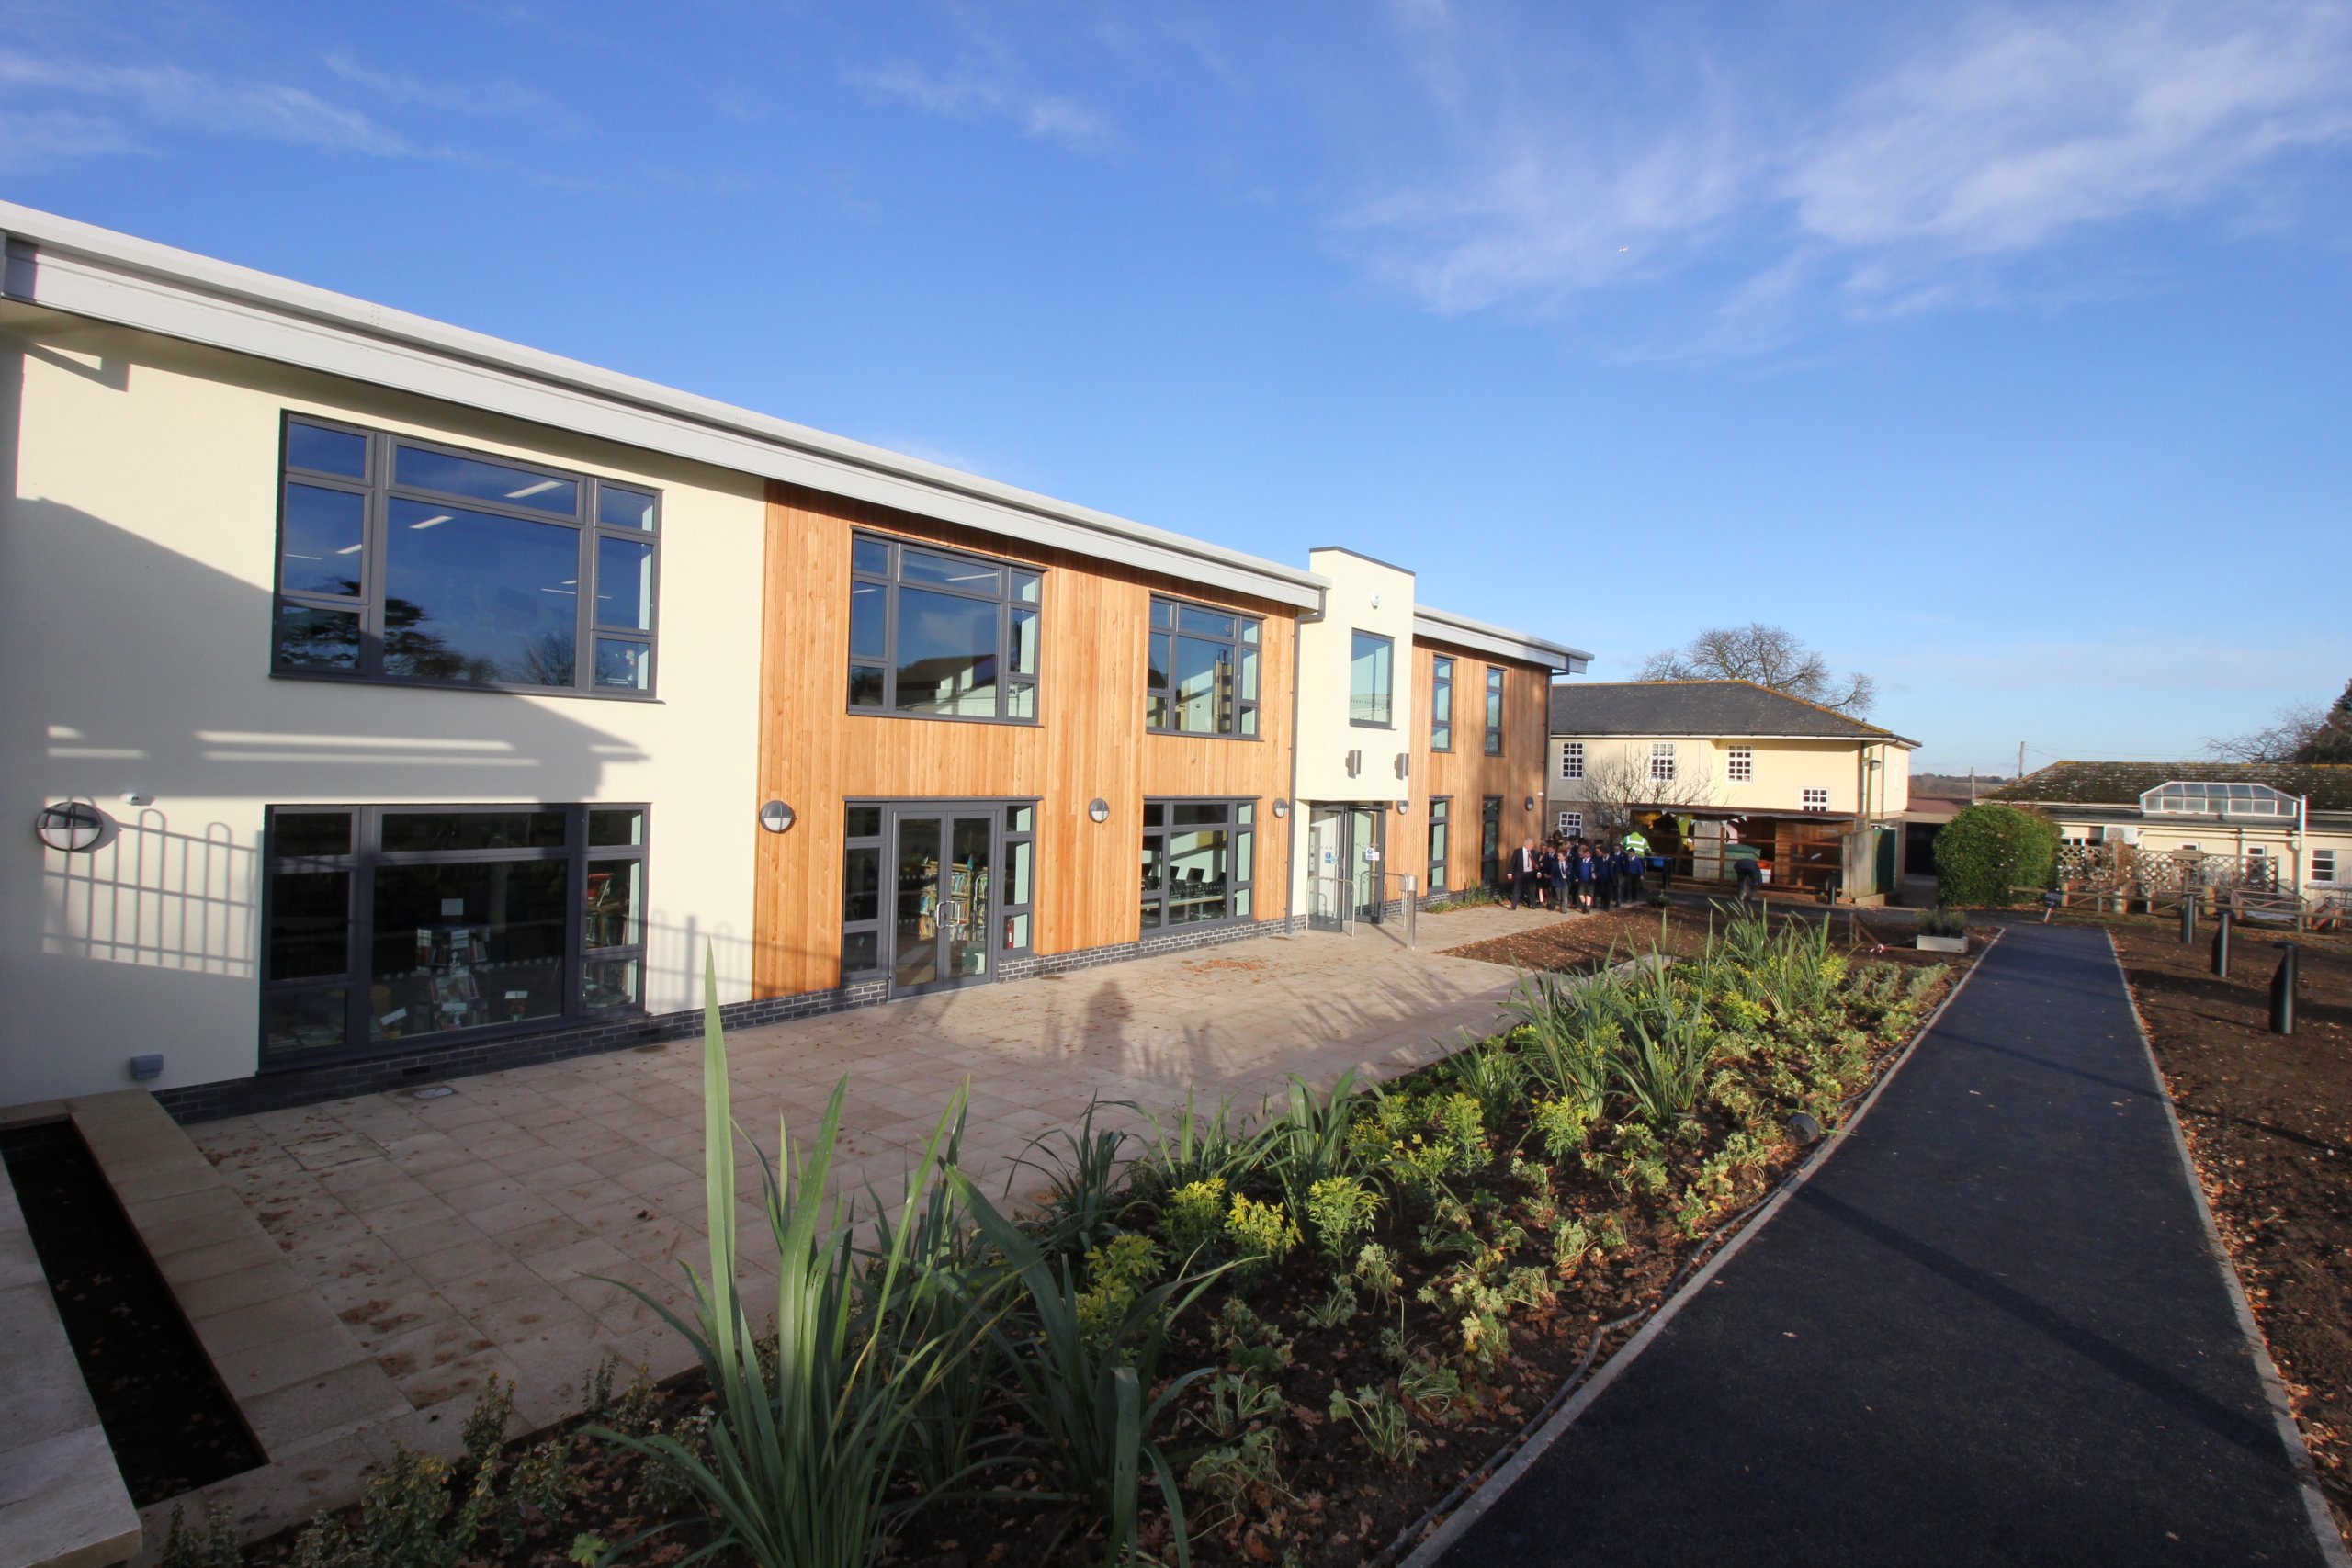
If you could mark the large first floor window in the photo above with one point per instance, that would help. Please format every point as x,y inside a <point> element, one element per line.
<point>1202,679</point>
<point>1370,678</point>
<point>1440,841</point>
<point>405,562</point>
<point>1198,861</point>
<point>1572,759</point>
<point>941,635</point>
<point>391,926</point>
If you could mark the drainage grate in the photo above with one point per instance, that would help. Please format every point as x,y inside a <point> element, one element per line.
<point>171,1424</point>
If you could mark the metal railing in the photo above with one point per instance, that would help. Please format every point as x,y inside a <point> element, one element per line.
<point>1331,901</point>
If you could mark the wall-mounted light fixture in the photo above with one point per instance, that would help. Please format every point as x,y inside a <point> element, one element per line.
<point>1530,802</point>
<point>73,826</point>
<point>1099,809</point>
<point>1282,806</point>
<point>775,817</point>
<point>1403,807</point>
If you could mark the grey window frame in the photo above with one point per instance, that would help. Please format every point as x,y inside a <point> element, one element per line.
<point>1494,710</point>
<point>365,856</point>
<point>1387,720</point>
<point>892,577</point>
<point>1490,864</point>
<point>1006,835</point>
<point>1441,845</point>
<point>1234,825</point>
<point>1011,834</point>
<point>378,491</point>
<point>1441,702</point>
<point>1572,759</point>
<point>875,841</point>
<point>1249,707</point>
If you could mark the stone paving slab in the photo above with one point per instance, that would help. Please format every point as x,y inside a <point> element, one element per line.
<point>493,1231</point>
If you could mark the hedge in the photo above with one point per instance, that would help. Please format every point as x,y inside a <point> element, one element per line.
<point>1988,851</point>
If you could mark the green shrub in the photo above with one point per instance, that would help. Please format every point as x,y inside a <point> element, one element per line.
<point>1119,1269</point>
<point>1340,1209</point>
<point>1195,1214</point>
<point>1940,922</point>
<point>1988,851</point>
<point>1562,1125</point>
<point>1261,1232</point>
<point>1381,1425</point>
<point>210,1543</point>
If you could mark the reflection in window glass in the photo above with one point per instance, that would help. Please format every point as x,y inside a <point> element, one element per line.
<point>1197,868</point>
<point>869,555</point>
<point>325,533</point>
<point>862,884</point>
<point>625,663</point>
<point>864,821</point>
<point>485,480</point>
<point>865,686</point>
<point>615,904</point>
<point>473,597</point>
<point>861,951</point>
<point>867,626</point>
<point>1440,842</point>
<point>1441,704</point>
<point>1201,678</point>
<point>947,654</point>
<point>624,584</point>
<point>309,925</point>
<point>317,639</point>
<point>618,507</point>
<point>611,983</point>
<point>325,451</point>
<point>305,1020</point>
<point>955,571</point>
<point>1016,879</point>
<point>1370,685</point>
<point>294,834</point>
<point>409,831</point>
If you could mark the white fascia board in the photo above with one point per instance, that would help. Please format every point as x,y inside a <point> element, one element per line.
<point>1443,625</point>
<point>83,270</point>
<point>1889,739</point>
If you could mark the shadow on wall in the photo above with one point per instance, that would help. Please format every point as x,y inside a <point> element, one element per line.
<point>153,678</point>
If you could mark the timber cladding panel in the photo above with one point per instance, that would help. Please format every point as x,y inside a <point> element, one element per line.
<point>1090,740</point>
<point>1466,774</point>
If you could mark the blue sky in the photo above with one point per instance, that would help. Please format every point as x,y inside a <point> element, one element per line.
<point>1997,351</point>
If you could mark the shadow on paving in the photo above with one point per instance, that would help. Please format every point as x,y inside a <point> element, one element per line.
<point>1991,1330</point>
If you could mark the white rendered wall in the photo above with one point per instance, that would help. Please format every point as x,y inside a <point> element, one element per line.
<point>1371,596</point>
<point>136,534</point>
<point>1781,771</point>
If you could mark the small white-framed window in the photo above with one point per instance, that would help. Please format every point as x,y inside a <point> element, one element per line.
<point>1741,764</point>
<point>1572,760</point>
<point>1816,800</point>
<point>1571,824</point>
<point>2323,865</point>
<point>1661,762</point>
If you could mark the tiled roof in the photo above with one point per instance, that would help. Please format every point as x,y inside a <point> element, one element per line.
<point>2327,786</point>
<point>1700,707</point>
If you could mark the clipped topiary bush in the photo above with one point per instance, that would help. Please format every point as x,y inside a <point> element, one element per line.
<point>1988,851</point>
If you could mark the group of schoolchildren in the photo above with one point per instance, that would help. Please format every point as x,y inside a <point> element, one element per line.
<point>1564,874</point>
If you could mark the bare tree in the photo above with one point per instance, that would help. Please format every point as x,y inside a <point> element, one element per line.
<point>1769,655</point>
<point>2300,732</point>
<point>1618,783</point>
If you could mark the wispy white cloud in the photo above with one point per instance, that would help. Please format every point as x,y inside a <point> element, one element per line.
<point>130,98</point>
<point>493,97</point>
<point>1905,186</point>
<point>1048,117</point>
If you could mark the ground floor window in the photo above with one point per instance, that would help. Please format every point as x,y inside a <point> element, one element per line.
<point>1490,839</point>
<point>386,926</point>
<point>1198,861</point>
<point>2323,865</point>
<point>1440,841</point>
<point>1572,824</point>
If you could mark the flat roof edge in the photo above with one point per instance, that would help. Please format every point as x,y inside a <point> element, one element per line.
<point>1445,626</point>
<point>81,269</point>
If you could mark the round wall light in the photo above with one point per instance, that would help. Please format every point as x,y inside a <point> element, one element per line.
<point>1403,807</point>
<point>1099,809</point>
<point>1282,806</point>
<point>1530,802</point>
<point>775,817</point>
<point>72,827</point>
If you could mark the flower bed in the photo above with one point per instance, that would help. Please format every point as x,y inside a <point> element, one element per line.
<point>1277,1339</point>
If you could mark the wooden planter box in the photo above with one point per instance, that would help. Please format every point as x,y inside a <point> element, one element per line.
<point>1940,944</point>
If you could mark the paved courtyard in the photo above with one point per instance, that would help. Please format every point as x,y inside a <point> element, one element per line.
<point>481,1232</point>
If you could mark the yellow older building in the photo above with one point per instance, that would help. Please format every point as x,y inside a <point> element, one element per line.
<point>1710,771</point>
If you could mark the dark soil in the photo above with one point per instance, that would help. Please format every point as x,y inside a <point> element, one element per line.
<point>171,1424</point>
<point>2269,1121</point>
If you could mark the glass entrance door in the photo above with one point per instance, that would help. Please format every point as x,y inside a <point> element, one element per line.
<point>940,926</point>
<point>1364,847</point>
<point>1327,866</point>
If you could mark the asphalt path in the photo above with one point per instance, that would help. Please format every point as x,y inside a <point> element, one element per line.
<point>1991,1329</point>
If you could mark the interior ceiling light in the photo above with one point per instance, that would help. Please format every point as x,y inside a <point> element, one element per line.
<point>429,522</point>
<point>539,488</point>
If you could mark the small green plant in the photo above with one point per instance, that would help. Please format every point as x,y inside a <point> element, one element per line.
<point>1335,1308</point>
<point>484,1432</point>
<point>325,1543</point>
<point>1195,1214</point>
<point>595,1390</point>
<point>1941,921</point>
<point>1381,1425</point>
<point>587,1549</point>
<point>1261,1232</point>
<point>1570,1242</point>
<point>1236,1399</point>
<point>1239,1477</point>
<point>1083,1178</point>
<point>1118,1270</point>
<point>1341,1208</point>
<point>1375,1270</point>
<point>212,1542</point>
<point>1249,1342</point>
<point>1562,1124</point>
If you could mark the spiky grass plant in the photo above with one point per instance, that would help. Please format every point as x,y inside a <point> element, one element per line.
<point>804,1443</point>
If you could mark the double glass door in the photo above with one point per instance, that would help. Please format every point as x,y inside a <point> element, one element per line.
<point>939,925</point>
<point>1344,849</point>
